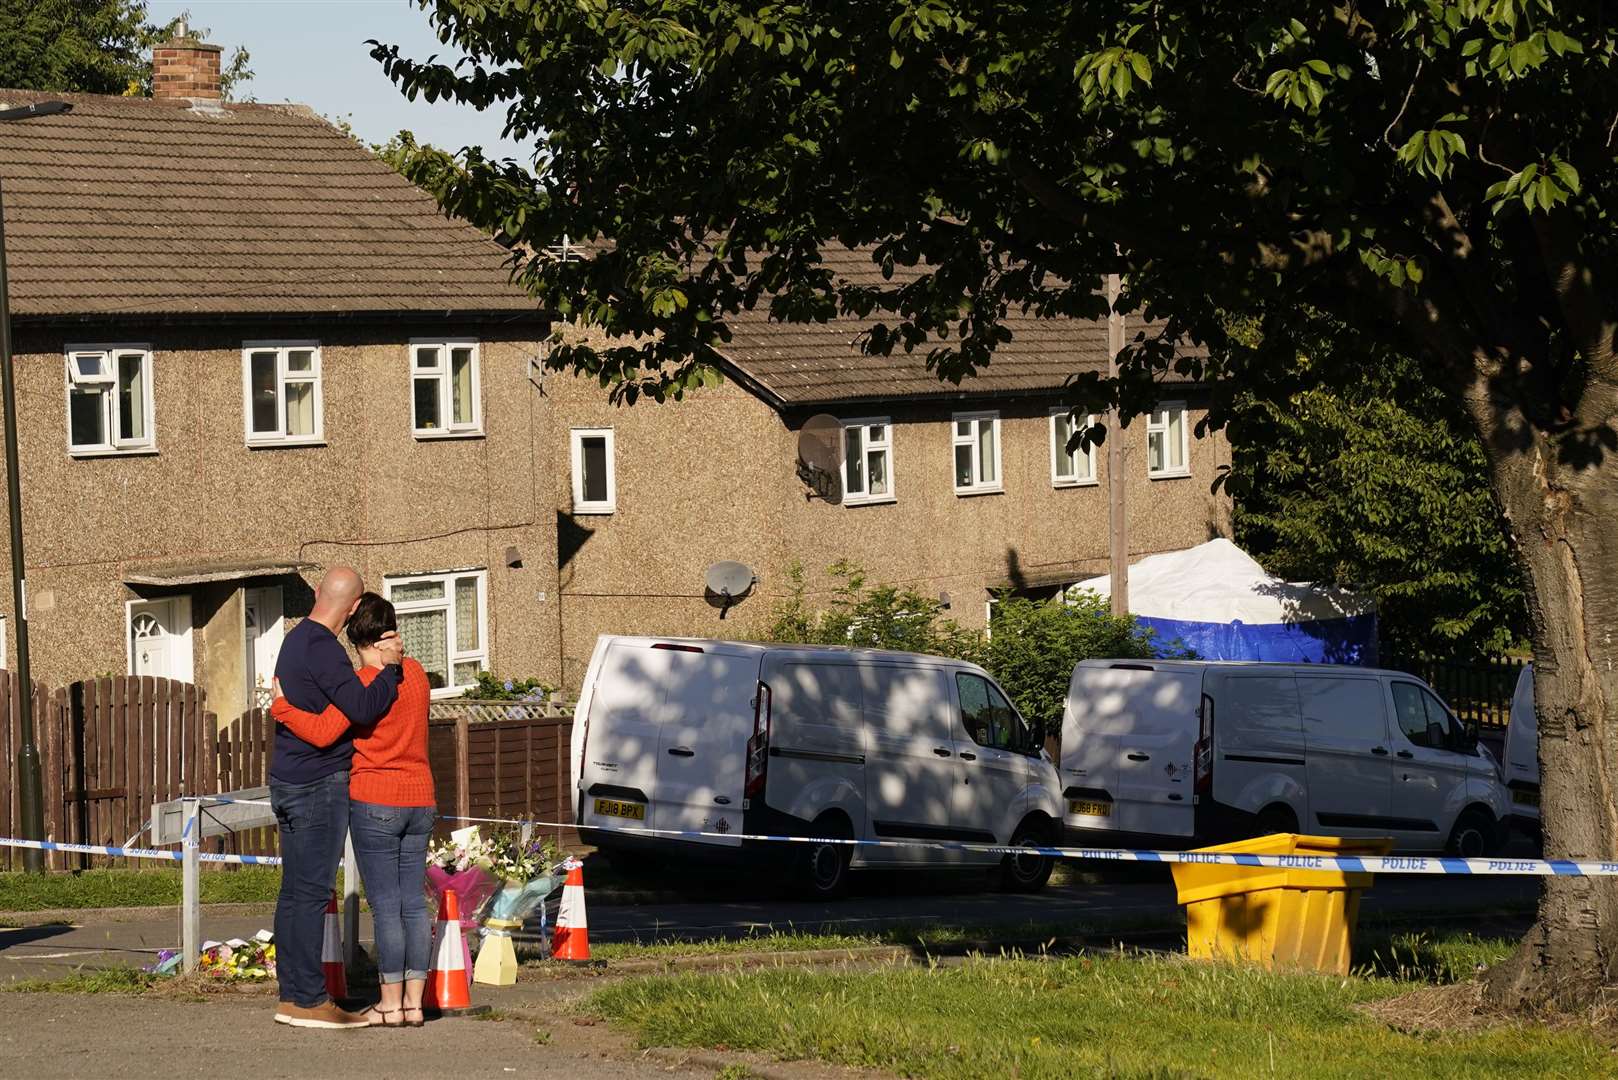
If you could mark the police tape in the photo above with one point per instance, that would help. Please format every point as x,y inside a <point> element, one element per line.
<point>139,853</point>
<point>1353,864</point>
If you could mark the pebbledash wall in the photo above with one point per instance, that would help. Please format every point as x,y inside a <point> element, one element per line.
<point>370,493</point>
<point>714,477</point>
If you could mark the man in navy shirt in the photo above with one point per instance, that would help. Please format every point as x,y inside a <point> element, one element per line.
<point>309,792</point>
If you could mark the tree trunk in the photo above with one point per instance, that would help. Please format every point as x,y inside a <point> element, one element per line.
<point>1561,500</point>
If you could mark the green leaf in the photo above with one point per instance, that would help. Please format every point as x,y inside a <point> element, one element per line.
<point>1142,66</point>
<point>1567,174</point>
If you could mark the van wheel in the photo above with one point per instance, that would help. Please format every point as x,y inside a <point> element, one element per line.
<point>822,869</point>
<point>1475,835</point>
<point>1027,873</point>
<point>1276,818</point>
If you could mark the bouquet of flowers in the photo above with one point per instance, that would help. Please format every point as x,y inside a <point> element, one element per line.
<point>527,869</point>
<point>465,864</point>
<point>238,960</point>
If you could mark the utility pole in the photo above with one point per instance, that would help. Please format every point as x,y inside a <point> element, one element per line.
<point>1117,510</point>
<point>30,796</point>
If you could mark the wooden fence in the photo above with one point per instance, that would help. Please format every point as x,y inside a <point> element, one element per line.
<point>109,749</point>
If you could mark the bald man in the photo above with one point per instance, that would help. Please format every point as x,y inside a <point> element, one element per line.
<point>309,792</point>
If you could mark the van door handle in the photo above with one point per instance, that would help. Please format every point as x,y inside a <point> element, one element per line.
<point>941,751</point>
<point>682,751</point>
<point>1380,751</point>
<point>1405,754</point>
<point>1140,757</point>
<point>968,757</point>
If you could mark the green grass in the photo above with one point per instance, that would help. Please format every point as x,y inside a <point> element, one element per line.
<point>113,980</point>
<point>1424,956</point>
<point>1118,1016</point>
<point>135,888</point>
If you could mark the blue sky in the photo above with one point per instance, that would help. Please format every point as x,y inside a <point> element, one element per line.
<point>314,52</point>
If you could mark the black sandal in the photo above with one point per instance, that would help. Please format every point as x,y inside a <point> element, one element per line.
<point>372,1010</point>
<point>422,1017</point>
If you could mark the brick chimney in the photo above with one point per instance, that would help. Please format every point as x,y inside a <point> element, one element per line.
<point>186,68</point>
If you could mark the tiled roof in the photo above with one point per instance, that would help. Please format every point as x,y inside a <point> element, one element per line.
<point>149,207</point>
<point>821,363</point>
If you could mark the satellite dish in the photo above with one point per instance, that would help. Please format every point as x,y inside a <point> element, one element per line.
<point>728,584</point>
<point>820,457</point>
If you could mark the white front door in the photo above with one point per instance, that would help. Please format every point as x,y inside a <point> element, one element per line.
<point>261,614</point>
<point>160,638</point>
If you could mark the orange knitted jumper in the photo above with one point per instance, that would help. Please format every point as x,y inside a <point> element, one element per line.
<point>390,758</point>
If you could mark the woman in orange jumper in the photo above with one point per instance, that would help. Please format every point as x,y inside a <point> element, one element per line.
<point>392,809</point>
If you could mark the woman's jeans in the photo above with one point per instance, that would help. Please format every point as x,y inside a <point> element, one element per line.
<point>390,843</point>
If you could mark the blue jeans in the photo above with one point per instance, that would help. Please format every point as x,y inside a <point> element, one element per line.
<point>390,843</point>
<point>314,820</point>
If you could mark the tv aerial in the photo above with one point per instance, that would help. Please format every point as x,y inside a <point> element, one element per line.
<point>820,457</point>
<point>727,584</point>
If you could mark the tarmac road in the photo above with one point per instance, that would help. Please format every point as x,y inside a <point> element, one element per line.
<point>891,901</point>
<point>879,902</point>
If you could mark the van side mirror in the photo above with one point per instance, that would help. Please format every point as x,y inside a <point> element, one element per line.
<point>1036,735</point>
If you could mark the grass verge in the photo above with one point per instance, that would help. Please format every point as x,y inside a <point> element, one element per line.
<point>112,980</point>
<point>134,888</point>
<point>1118,1015</point>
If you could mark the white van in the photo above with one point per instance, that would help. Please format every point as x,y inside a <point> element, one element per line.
<point>721,737</point>
<point>1205,751</point>
<point>1521,755</point>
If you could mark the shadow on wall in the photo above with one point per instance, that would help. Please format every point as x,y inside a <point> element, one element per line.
<point>570,538</point>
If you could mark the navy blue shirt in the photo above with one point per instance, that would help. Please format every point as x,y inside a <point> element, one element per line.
<point>315,672</point>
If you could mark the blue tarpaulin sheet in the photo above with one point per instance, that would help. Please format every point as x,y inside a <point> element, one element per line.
<point>1350,640</point>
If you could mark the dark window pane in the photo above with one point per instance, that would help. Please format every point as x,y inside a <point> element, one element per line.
<point>963,465</point>
<point>87,417</point>
<point>131,397</point>
<point>593,451</point>
<point>427,403</point>
<point>261,377</point>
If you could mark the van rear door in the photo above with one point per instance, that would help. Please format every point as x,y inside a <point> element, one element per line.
<point>618,753</point>
<point>707,716</point>
<point>1127,737</point>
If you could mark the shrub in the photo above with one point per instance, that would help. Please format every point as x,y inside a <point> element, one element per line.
<point>1033,646</point>
<point>491,687</point>
<point>1031,650</point>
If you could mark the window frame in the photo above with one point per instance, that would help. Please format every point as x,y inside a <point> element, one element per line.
<point>581,505</point>
<point>444,376</point>
<point>452,656</point>
<point>113,446</point>
<point>1153,427</point>
<point>316,377</point>
<point>1057,452</point>
<point>861,423</point>
<point>978,486</point>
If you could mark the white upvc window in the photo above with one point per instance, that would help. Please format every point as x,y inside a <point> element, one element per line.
<point>976,439</point>
<point>867,461</point>
<point>444,625</point>
<point>445,389</point>
<point>109,400</point>
<point>595,488</point>
<point>281,393</point>
<point>1070,468</point>
<point>1168,444</point>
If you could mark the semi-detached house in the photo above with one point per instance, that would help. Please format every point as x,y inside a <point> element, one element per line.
<point>247,349</point>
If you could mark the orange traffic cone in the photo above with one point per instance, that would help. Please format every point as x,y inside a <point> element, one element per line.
<point>447,988</point>
<point>572,938</point>
<point>331,953</point>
